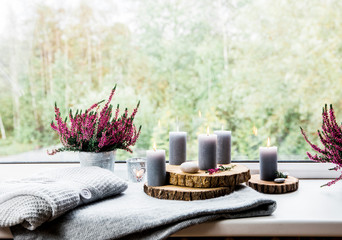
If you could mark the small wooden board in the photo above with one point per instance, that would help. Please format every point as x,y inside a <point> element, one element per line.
<point>171,192</point>
<point>290,185</point>
<point>239,174</point>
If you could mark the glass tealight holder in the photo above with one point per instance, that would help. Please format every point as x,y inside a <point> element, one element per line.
<point>136,169</point>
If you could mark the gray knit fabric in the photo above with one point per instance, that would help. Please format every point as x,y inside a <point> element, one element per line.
<point>46,196</point>
<point>134,215</point>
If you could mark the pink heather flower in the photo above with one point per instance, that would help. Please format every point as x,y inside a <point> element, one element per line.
<point>212,171</point>
<point>331,138</point>
<point>97,132</point>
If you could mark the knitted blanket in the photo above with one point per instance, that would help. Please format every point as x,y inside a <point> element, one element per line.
<point>134,215</point>
<point>46,196</point>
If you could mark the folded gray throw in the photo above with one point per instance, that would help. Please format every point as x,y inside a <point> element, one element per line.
<point>134,215</point>
<point>46,196</point>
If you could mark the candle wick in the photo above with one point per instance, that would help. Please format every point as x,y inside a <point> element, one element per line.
<point>177,124</point>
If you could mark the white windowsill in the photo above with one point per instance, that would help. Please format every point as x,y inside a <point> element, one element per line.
<point>310,211</point>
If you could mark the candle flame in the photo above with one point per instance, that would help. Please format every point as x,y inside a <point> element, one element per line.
<point>268,142</point>
<point>208,130</point>
<point>154,146</point>
<point>159,123</point>
<point>199,114</point>
<point>255,131</point>
<point>139,173</point>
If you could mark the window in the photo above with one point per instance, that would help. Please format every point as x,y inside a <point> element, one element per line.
<point>243,65</point>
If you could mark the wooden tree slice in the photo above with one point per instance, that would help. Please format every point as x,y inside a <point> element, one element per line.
<point>290,185</point>
<point>239,174</point>
<point>172,192</point>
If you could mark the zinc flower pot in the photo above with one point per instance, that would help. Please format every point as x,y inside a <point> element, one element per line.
<point>104,160</point>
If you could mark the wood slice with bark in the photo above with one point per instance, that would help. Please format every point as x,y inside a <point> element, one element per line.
<point>172,192</point>
<point>238,174</point>
<point>290,185</point>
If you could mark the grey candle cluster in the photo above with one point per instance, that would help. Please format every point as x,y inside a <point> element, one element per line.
<point>177,143</point>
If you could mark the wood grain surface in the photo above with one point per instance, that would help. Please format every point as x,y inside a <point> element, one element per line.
<point>238,174</point>
<point>290,185</point>
<point>172,192</point>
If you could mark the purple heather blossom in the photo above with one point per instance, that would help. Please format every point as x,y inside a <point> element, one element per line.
<point>221,168</point>
<point>331,138</point>
<point>96,132</point>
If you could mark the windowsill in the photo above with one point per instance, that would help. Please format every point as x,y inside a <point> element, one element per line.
<point>310,211</point>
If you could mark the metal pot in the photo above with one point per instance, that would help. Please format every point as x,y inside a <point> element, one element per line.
<point>104,160</point>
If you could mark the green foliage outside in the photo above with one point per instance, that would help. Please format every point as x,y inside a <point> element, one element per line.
<point>269,64</point>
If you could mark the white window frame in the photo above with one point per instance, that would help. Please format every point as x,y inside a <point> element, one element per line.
<point>302,170</point>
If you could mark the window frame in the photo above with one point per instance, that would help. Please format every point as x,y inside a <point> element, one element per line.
<point>302,170</point>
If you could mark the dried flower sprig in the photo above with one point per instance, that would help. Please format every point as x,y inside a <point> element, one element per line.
<point>219,169</point>
<point>331,139</point>
<point>94,131</point>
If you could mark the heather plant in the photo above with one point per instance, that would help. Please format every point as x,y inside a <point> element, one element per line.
<point>331,139</point>
<point>96,130</point>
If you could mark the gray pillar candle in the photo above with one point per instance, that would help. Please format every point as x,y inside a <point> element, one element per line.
<point>268,162</point>
<point>224,145</point>
<point>177,148</point>
<point>207,151</point>
<point>156,169</point>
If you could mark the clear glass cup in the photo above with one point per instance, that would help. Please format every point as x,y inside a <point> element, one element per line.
<point>136,169</point>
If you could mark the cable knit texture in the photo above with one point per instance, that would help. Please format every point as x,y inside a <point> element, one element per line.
<point>48,195</point>
<point>135,215</point>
